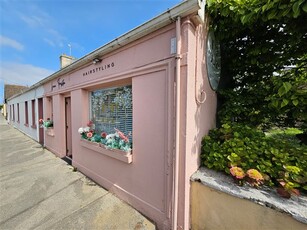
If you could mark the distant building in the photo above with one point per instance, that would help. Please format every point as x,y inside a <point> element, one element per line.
<point>9,91</point>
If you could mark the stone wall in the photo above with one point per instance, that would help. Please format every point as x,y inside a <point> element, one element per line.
<point>217,203</point>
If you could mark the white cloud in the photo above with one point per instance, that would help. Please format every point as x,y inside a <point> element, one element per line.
<point>49,42</point>
<point>5,41</point>
<point>22,74</point>
<point>43,23</point>
<point>32,21</point>
<point>56,37</point>
<point>34,16</point>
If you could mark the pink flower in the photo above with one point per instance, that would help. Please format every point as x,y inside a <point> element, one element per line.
<point>103,134</point>
<point>40,120</point>
<point>122,135</point>
<point>89,135</point>
<point>89,124</point>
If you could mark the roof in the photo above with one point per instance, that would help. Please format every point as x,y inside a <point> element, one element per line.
<point>11,90</point>
<point>183,9</point>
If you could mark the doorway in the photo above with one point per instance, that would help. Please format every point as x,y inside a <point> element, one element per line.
<point>68,128</point>
<point>40,116</point>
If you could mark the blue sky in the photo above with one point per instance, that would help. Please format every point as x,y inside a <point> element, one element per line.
<point>34,33</point>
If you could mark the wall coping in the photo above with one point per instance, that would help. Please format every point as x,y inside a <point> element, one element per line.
<point>296,206</point>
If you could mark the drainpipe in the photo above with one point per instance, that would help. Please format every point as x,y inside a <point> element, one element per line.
<point>177,132</point>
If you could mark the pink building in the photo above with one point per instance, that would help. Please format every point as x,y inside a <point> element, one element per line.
<point>152,83</point>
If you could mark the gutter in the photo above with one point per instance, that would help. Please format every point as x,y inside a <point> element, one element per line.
<point>181,10</point>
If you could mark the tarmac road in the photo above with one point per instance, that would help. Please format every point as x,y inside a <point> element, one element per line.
<point>40,191</point>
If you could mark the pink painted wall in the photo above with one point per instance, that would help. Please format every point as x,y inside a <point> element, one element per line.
<point>144,182</point>
<point>149,66</point>
<point>145,51</point>
<point>196,119</point>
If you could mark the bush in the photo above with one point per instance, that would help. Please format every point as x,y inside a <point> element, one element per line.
<point>279,157</point>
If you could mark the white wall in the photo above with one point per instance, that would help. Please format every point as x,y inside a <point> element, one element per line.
<point>28,96</point>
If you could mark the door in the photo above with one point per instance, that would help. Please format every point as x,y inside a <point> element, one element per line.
<point>68,127</point>
<point>41,116</point>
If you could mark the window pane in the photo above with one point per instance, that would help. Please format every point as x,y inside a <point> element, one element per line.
<point>33,112</point>
<point>112,109</point>
<point>26,113</point>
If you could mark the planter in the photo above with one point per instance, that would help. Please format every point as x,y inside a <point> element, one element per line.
<point>49,132</point>
<point>113,153</point>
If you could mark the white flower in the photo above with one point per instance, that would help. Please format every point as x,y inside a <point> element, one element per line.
<point>80,130</point>
<point>110,136</point>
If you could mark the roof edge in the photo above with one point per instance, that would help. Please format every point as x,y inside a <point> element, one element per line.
<point>183,9</point>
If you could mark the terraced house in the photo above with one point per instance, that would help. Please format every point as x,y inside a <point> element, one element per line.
<point>154,88</point>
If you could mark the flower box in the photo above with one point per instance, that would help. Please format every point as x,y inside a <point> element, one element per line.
<point>50,132</point>
<point>114,153</point>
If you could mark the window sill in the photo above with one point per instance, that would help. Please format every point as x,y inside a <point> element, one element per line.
<point>33,126</point>
<point>27,125</point>
<point>114,153</point>
<point>50,132</point>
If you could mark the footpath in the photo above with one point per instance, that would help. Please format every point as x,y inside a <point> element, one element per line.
<point>40,191</point>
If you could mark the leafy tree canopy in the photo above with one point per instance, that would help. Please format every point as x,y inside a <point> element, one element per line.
<point>264,61</point>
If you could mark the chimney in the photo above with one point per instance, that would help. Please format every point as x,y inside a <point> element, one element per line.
<point>66,60</point>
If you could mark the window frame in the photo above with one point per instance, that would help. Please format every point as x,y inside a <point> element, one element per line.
<point>18,114</point>
<point>26,114</point>
<point>33,107</point>
<point>110,88</point>
<point>14,112</point>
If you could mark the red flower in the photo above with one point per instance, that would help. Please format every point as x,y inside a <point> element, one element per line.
<point>89,135</point>
<point>89,124</point>
<point>103,134</point>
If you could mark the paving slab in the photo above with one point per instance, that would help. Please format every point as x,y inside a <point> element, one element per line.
<point>107,212</point>
<point>40,191</point>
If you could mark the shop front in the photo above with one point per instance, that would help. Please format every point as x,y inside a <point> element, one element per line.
<point>131,114</point>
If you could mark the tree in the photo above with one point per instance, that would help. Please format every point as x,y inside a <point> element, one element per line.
<point>264,61</point>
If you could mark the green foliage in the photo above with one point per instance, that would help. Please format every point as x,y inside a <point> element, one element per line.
<point>263,85</point>
<point>264,64</point>
<point>289,96</point>
<point>114,141</point>
<point>278,156</point>
<point>249,12</point>
<point>47,124</point>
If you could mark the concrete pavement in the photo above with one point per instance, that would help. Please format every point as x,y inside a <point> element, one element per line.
<point>40,191</point>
